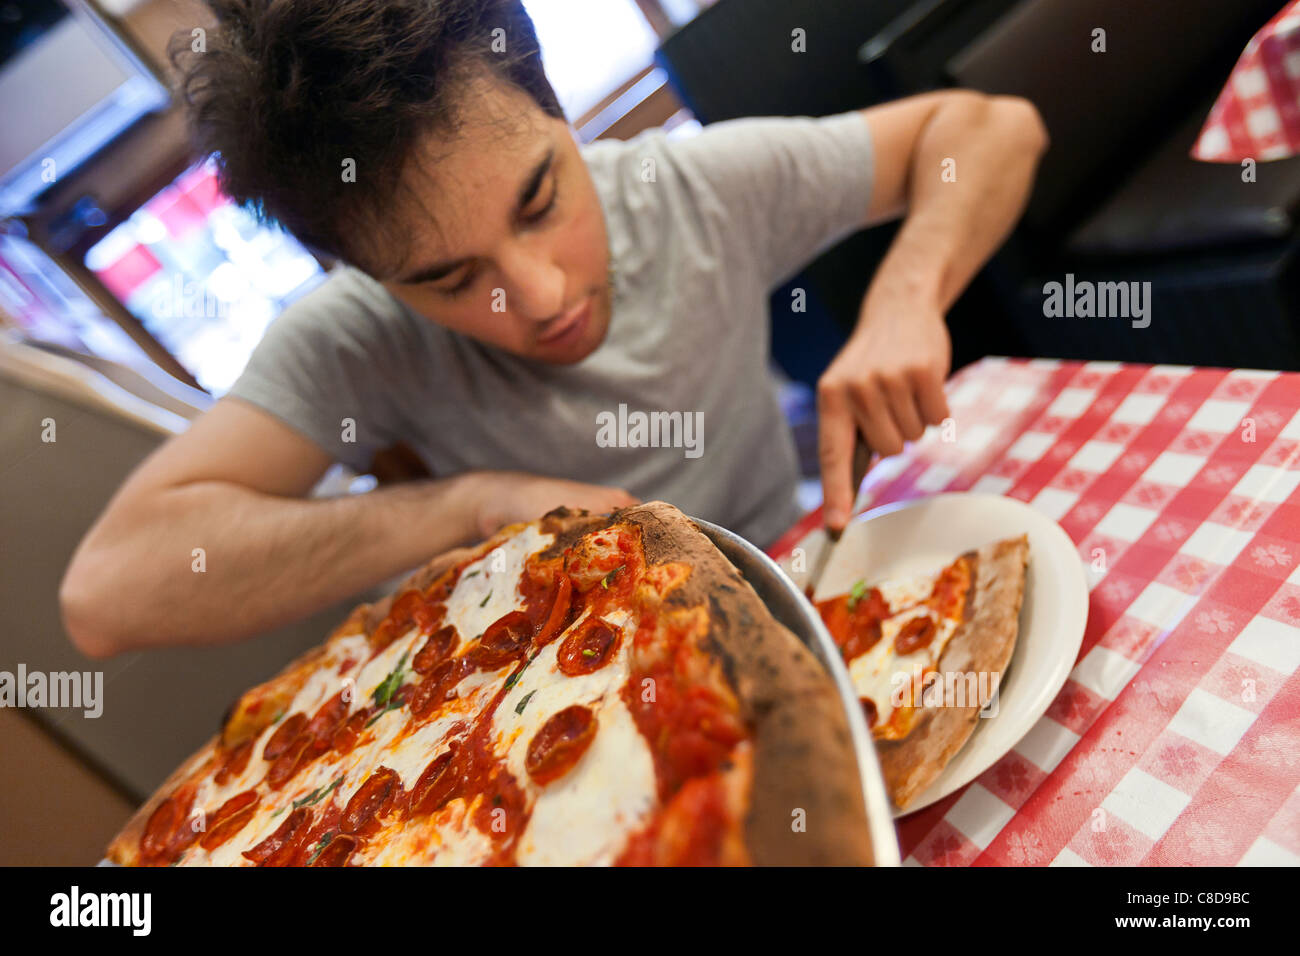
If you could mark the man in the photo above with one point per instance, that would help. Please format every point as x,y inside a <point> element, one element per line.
<point>506,292</point>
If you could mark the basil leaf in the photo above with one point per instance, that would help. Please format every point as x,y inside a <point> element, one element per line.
<point>857,593</point>
<point>385,691</point>
<point>519,708</point>
<point>609,578</point>
<point>513,679</point>
<point>483,603</point>
<point>393,706</point>
<point>316,795</point>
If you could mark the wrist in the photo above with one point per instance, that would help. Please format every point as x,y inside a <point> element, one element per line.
<point>463,498</point>
<point>482,498</point>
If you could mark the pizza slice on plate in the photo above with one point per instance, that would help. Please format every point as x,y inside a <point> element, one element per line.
<point>925,653</point>
<point>578,689</point>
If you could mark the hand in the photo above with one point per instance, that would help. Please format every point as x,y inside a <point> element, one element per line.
<point>504,497</point>
<point>886,384</point>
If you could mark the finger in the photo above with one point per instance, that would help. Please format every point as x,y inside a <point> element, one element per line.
<point>861,464</point>
<point>836,434</point>
<point>930,398</point>
<point>876,421</point>
<point>903,404</point>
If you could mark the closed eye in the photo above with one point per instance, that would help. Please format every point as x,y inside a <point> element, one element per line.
<point>539,214</point>
<point>461,286</point>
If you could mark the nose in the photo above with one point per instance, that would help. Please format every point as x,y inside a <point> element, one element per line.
<point>534,283</point>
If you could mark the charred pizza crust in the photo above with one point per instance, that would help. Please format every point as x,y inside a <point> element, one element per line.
<point>983,643</point>
<point>803,757</point>
<point>806,804</point>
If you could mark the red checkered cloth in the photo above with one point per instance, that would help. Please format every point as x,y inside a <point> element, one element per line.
<point>1176,739</point>
<point>1257,116</point>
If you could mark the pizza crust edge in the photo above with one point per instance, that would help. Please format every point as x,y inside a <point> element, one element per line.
<point>803,753</point>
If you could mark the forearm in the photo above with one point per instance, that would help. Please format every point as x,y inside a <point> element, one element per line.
<point>970,178</point>
<point>211,561</point>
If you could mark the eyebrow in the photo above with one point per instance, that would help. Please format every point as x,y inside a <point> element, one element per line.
<point>527,193</point>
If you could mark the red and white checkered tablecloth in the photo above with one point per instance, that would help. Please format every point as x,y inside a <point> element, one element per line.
<point>1176,739</point>
<point>1257,116</point>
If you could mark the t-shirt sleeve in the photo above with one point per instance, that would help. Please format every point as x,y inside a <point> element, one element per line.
<point>320,370</point>
<point>788,187</point>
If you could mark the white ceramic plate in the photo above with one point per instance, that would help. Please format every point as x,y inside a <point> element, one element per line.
<point>917,536</point>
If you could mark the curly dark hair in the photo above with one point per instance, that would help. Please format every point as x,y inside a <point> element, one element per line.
<point>287,90</point>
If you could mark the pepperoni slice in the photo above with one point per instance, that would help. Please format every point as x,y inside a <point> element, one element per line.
<point>563,739</point>
<point>437,785</point>
<point>506,639</point>
<point>411,609</point>
<point>371,799</point>
<point>168,832</point>
<point>869,709</point>
<point>914,635</point>
<point>588,649</point>
<point>561,602</point>
<point>288,763</point>
<point>346,736</point>
<point>327,720</point>
<point>437,686</point>
<point>278,849</point>
<point>863,636</point>
<point>230,819</point>
<point>284,735</point>
<point>337,851</point>
<point>502,811</point>
<point>436,649</point>
<point>236,763</point>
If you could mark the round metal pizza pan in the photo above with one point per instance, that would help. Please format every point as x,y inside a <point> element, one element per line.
<point>793,610</point>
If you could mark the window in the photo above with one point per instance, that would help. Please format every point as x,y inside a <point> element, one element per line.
<point>592,47</point>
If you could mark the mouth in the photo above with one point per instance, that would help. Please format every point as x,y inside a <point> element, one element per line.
<point>567,326</point>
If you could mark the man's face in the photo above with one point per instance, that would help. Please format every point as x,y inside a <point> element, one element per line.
<point>505,234</point>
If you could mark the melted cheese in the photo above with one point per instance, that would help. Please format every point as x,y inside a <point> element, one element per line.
<point>585,816</point>
<point>888,679</point>
<point>452,841</point>
<point>903,592</point>
<point>883,676</point>
<point>488,588</point>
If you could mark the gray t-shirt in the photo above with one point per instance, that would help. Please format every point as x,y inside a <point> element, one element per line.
<point>728,215</point>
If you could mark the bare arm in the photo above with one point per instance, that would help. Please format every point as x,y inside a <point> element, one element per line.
<point>961,166</point>
<point>232,486</point>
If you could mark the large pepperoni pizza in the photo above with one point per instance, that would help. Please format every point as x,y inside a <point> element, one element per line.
<point>581,689</point>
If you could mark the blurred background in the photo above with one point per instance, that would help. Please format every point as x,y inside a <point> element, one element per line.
<point>132,291</point>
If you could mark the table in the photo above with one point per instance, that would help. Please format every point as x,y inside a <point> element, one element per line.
<point>1176,739</point>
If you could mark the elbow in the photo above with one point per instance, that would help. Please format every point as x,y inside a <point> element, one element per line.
<point>1023,121</point>
<point>84,610</point>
